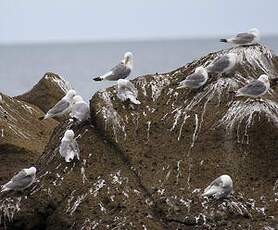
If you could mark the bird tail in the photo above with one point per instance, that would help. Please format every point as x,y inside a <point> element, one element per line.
<point>4,188</point>
<point>223,40</point>
<point>135,101</point>
<point>98,79</point>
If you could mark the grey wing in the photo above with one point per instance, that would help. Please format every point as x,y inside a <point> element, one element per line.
<point>120,71</point>
<point>132,88</point>
<point>244,38</point>
<point>196,77</point>
<point>219,64</point>
<point>254,88</point>
<point>75,148</point>
<point>59,108</point>
<point>20,180</point>
<point>63,149</point>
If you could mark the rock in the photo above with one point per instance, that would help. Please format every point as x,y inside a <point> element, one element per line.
<point>47,92</point>
<point>146,166</point>
<point>22,136</point>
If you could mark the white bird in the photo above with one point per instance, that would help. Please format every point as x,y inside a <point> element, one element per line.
<point>223,64</point>
<point>221,187</point>
<point>249,38</point>
<point>69,147</point>
<point>256,88</point>
<point>127,91</point>
<point>62,107</point>
<point>80,110</point>
<point>120,71</point>
<point>22,180</point>
<point>195,80</point>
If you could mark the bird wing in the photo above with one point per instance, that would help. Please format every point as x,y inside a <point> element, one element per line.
<point>195,77</point>
<point>120,71</point>
<point>243,38</point>
<point>253,88</point>
<point>75,147</point>
<point>60,107</point>
<point>219,64</point>
<point>20,180</point>
<point>63,149</point>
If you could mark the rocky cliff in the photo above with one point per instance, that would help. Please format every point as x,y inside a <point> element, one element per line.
<point>145,166</point>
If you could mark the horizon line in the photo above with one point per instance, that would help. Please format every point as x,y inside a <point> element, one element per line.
<point>117,40</point>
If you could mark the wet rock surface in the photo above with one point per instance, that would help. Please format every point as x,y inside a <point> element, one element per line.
<point>145,166</point>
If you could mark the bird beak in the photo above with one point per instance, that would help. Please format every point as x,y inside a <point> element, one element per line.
<point>126,60</point>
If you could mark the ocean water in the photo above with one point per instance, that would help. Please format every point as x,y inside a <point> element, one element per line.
<point>22,66</point>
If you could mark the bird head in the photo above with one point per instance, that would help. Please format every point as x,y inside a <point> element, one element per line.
<point>77,98</point>
<point>264,78</point>
<point>122,83</point>
<point>69,135</point>
<point>255,32</point>
<point>31,171</point>
<point>128,59</point>
<point>226,181</point>
<point>201,70</point>
<point>71,93</point>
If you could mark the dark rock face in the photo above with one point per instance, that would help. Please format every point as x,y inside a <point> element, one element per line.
<point>47,92</point>
<point>145,167</point>
<point>22,136</point>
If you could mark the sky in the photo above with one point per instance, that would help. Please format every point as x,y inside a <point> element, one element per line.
<point>28,21</point>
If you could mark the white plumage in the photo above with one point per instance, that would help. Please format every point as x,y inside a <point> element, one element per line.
<point>22,180</point>
<point>127,91</point>
<point>80,109</point>
<point>69,148</point>
<point>221,187</point>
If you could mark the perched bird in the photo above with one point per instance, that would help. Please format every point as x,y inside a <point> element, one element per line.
<point>256,88</point>
<point>24,179</point>
<point>69,147</point>
<point>80,109</point>
<point>195,80</point>
<point>223,64</point>
<point>127,91</point>
<point>221,187</point>
<point>63,106</point>
<point>120,71</point>
<point>249,38</point>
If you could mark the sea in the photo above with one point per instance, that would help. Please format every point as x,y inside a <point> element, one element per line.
<point>22,66</point>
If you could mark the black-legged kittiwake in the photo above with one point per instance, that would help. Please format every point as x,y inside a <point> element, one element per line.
<point>80,110</point>
<point>195,80</point>
<point>256,88</point>
<point>249,38</point>
<point>69,147</point>
<point>223,64</point>
<point>22,180</point>
<point>120,71</point>
<point>127,91</point>
<point>62,107</point>
<point>221,187</point>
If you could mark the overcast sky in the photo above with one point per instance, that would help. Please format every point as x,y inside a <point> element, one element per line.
<point>88,20</point>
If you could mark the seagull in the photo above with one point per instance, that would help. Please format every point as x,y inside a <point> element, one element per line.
<point>69,147</point>
<point>127,91</point>
<point>221,187</point>
<point>223,64</point>
<point>80,109</point>
<point>120,71</point>
<point>63,106</point>
<point>22,180</point>
<point>249,38</point>
<point>195,80</point>
<point>256,88</point>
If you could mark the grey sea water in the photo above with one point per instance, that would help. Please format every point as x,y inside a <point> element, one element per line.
<point>21,66</point>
